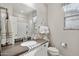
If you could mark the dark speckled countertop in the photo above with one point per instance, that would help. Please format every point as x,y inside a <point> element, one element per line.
<point>17,49</point>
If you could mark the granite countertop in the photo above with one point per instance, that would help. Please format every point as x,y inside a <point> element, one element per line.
<point>17,49</point>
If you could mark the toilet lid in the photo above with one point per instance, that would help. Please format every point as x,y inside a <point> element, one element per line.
<point>53,49</point>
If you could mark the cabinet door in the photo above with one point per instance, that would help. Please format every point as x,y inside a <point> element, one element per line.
<point>35,52</point>
<point>44,49</point>
<point>39,51</point>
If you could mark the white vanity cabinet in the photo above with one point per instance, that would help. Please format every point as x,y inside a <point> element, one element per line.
<point>38,51</point>
<point>44,49</point>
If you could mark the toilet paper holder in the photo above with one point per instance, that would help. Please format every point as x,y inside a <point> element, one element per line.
<point>64,45</point>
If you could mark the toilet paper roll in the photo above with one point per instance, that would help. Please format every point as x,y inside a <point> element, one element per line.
<point>64,45</point>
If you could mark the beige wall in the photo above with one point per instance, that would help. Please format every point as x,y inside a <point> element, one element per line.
<point>58,34</point>
<point>41,13</point>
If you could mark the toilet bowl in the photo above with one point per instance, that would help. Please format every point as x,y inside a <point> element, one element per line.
<point>53,51</point>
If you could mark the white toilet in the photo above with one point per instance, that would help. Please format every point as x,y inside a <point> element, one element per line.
<point>53,51</point>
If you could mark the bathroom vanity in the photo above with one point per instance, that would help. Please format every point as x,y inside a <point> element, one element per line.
<point>39,50</point>
<point>17,50</point>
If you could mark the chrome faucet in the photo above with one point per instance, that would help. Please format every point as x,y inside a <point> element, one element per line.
<point>29,38</point>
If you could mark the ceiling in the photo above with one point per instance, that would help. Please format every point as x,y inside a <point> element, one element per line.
<point>22,8</point>
<point>18,7</point>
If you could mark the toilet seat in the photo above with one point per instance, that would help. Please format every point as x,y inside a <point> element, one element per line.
<point>53,51</point>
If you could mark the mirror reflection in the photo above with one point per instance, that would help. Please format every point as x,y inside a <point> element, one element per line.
<point>21,22</point>
<point>17,22</point>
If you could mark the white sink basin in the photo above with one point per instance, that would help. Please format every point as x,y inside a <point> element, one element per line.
<point>29,44</point>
